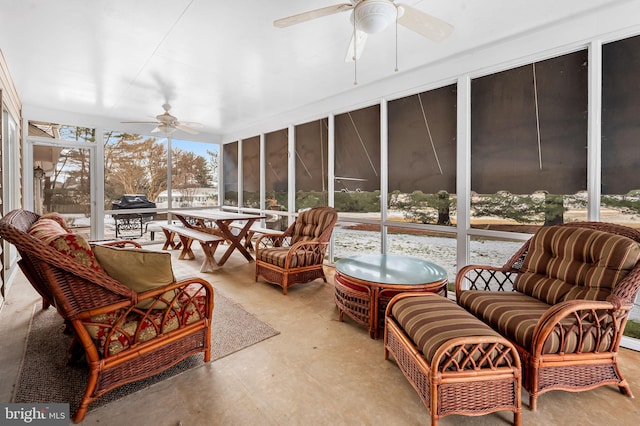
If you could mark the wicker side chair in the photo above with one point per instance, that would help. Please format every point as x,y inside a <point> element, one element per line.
<point>297,255</point>
<point>572,344</point>
<point>125,336</point>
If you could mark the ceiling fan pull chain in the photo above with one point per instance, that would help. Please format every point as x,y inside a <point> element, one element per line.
<point>355,55</point>
<point>396,70</point>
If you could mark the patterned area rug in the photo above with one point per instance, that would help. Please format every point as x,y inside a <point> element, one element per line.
<point>44,376</point>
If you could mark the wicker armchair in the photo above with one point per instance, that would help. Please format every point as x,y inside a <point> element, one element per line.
<point>126,336</point>
<point>297,255</point>
<point>563,299</point>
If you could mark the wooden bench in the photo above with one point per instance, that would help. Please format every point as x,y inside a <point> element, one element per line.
<point>456,363</point>
<point>208,242</point>
<point>155,226</point>
<point>254,231</point>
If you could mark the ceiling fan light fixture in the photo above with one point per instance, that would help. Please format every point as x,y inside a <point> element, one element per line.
<point>166,128</point>
<point>373,16</point>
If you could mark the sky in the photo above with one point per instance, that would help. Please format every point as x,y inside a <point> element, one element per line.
<point>199,148</point>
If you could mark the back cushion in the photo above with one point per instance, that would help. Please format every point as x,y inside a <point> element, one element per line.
<point>51,232</point>
<point>138,269</point>
<point>311,224</point>
<point>565,263</point>
<point>47,230</point>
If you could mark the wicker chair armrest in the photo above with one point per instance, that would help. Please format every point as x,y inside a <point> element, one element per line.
<point>579,319</point>
<point>625,292</point>
<point>314,251</point>
<point>475,353</point>
<point>273,240</point>
<point>197,287</point>
<point>487,278</point>
<point>157,295</point>
<point>118,243</point>
<point>165,310</point>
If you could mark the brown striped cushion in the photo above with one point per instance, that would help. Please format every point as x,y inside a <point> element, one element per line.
<point>515,316</point>
<point>278,255</point>
<point>565,263</point>
<point>431,321</point>
<point>310,224</point>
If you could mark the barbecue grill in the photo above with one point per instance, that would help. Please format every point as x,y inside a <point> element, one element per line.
<point>132,222</point>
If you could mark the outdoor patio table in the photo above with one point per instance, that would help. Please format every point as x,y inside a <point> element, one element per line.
<point>365,283</point>
<point>223,220</point>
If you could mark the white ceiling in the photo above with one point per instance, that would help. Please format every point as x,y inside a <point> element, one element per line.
<point>223,63</point>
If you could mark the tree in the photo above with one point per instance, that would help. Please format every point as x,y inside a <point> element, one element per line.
<point>535,208</point>
<point>424,208</point>
<point>189,170</point>
<point>134,165</point>
<point>70,184</point>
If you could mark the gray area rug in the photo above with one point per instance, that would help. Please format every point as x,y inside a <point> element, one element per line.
<point>44,376</point>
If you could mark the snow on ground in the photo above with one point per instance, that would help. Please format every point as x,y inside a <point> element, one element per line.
<point>439,250</point>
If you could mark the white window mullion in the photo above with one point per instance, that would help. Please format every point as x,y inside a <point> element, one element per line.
<point>594,131</point>
<point>240,199</point>
<point>291,152</point>
<point>384,171</point>
<point>463,167</point>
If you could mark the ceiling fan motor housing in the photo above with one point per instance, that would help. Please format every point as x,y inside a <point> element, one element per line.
<point>373,16</point>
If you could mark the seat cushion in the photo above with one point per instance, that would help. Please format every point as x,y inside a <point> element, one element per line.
<point>138,269</point>
<point>116,337</point>
<point>431,321</point>
<point>566,263</point>
<point>278,255</point>
<point>516,315</point>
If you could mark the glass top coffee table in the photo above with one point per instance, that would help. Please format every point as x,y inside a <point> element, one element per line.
<point>365,283</point>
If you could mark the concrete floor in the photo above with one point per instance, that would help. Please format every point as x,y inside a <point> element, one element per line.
<point>317,371</point>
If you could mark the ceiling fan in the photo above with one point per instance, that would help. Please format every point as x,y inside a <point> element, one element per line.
<point>372,16</point>
<point>168,124</point>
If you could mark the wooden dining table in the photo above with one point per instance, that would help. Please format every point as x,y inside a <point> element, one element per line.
<point>198,219</point>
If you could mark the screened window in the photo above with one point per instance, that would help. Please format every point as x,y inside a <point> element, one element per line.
<point>528,145</point>
<point>230,173</point>
<point>620,199</point>
<point>422,157</point>
<point>251,172</point>
<point>62,131</point>
<point>357,162</point>
<point>193,179</point>
<point>276,170</point>
<point>311,164</point>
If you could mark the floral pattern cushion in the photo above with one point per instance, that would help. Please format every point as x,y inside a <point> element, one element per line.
<point>78,248</point>
<point>51,232</point>
<point>58,218</point>
<point>118,330</point>
<point>47,230</point>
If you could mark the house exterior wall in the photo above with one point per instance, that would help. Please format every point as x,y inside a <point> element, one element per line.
<point>9,154</point>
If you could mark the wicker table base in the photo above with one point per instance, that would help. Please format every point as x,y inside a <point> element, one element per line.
<point>363,292</point>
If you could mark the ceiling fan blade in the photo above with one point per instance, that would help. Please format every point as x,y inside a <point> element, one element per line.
<point>357,42</point>
<point>424,24</point>
<point>186,129</point>
<point>312,14</point>
<point>139,122</point>
<point>191,124</point>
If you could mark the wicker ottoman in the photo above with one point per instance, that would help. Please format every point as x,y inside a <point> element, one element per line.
<point>456,363</point>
